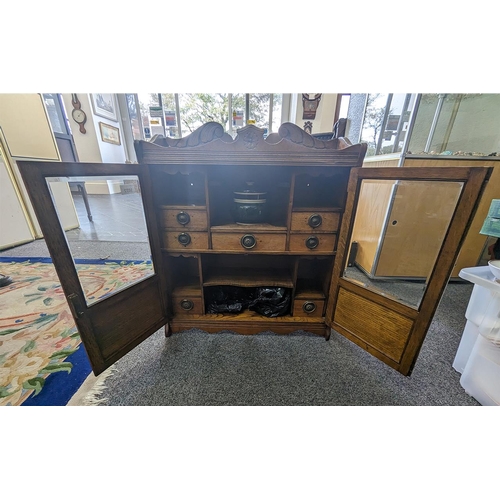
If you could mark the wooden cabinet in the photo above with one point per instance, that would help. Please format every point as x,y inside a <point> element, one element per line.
<point>300,249</point>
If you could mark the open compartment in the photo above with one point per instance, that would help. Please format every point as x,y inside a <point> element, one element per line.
<point>186,188</point>
<point>317,189</point>
<point>237,283</point>
<point>236,195</point>
<point>184,279</point>
<point>313,278</point>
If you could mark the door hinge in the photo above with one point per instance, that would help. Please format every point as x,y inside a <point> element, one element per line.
<point>76,305</point>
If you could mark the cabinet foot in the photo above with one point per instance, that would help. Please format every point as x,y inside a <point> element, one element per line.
<point>328,332</point>
<point>168,331</point>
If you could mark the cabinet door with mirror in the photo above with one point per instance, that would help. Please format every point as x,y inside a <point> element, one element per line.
<point>389,318</point>
<point>110,267</point>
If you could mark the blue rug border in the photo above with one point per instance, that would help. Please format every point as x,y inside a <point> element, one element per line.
<point>48,260</point>
<point>60,387</point>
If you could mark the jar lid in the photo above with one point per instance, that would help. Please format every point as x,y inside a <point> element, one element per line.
<point>237,200</point>
<point>248,191</point>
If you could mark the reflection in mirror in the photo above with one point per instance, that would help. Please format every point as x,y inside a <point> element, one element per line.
<point>398,232</point>
<point>107,236</point>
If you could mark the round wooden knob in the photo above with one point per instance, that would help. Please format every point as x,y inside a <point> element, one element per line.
<point>183,218</point>
<point>248,241</point>
<point>309,307</point>
<point>187,305</point>
<point>184,239</point>
<point>312,242</point>
<point>315,220</point>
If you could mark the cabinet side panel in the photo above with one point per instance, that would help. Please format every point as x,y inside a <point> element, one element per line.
<point>370,219</point>
<point>474,242</point>
<point>419,219</point>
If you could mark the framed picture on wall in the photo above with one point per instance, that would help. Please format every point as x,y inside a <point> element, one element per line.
<point>110,134</point>
<point>104,105</point>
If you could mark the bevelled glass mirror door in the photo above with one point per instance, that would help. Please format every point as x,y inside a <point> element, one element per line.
<point>398,231</point>
<point>109,246</point>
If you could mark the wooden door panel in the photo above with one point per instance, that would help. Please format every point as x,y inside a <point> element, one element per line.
<point>385,327</point>
<point>123,312</point>
<point>113,325</point>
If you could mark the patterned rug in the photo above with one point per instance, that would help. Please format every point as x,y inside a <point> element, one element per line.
<point>37,330</point>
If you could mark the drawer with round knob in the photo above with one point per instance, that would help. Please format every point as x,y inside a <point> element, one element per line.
<point>249,241</point>
<point>308,307</point>
<point>188,217</point>
<point>312,242</point>
<point>186,305</point>
<point>185,240</point>
<point>315,221</point>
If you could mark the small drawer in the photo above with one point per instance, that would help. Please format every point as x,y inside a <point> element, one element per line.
<point>312,308</point>
<point>191,218</point>
<point>253,242</point>
<point>187,305</point>
<point>312,242</point>
<point>315,221</point>
<point>175,240</point>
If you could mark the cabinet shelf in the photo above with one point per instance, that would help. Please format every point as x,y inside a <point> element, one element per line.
<point>305,253</point>
<point>316,208</point>
<point>182,207</point>
<point>248,278</point>
<point>308,289</point>
<point>189,288</point>
<point>251,228</point>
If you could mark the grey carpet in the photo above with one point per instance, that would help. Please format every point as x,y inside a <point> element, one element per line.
<point>197,368</point>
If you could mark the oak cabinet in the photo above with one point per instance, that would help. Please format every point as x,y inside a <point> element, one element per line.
<point>200,252</point>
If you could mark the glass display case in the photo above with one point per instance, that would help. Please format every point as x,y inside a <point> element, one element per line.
<point>422,130</point>
<point>427,124</point>
<point>456,124</point>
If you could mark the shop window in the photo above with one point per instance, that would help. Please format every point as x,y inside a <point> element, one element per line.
<point>385,122</point>
<point>230,110</point>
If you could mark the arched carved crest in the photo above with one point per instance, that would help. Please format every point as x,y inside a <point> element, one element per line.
<point>209,144</point>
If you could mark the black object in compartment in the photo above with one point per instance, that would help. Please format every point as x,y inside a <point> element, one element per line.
<point>271,301</point>
<point>267,301</point>
<point>224,299</point>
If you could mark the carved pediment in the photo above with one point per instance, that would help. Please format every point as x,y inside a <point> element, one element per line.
<point>210,144</point>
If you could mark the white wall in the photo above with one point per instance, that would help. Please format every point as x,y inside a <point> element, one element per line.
<point>90,147</point>
<point>26,134</point>
<point>86,144</point>
<point>14,227</point>
<point>325,113</point>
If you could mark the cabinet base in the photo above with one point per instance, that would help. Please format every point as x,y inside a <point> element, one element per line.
<point>280,326</point>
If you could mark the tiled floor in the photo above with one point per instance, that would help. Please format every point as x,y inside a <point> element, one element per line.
<point>116,217</point>
<point>117,231</point>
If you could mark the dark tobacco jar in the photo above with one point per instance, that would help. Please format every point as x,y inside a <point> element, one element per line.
<point>249,206</point>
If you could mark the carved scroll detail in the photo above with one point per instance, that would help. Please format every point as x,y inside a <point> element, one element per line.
<point>295,134</point>
<point>208,132</point>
